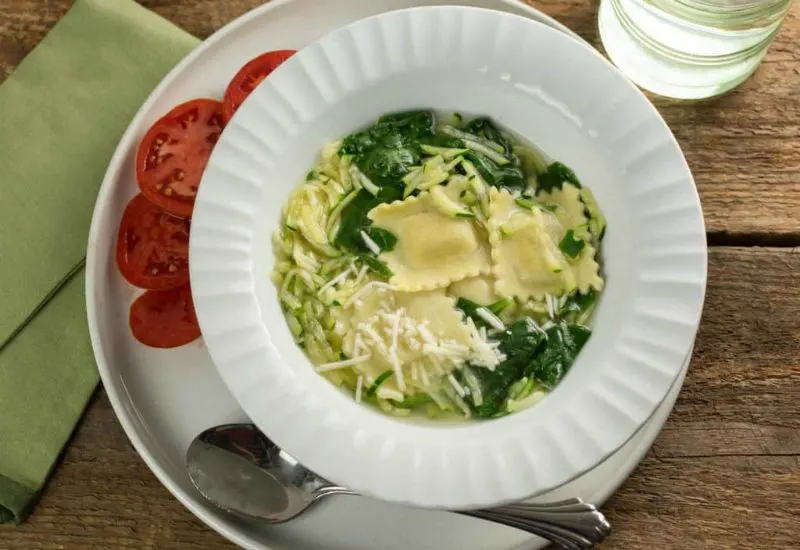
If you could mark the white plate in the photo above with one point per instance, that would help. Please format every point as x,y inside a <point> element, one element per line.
<point>164,398</point>
<point>477,61</point>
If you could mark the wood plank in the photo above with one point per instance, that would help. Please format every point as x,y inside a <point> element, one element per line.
<point>733,439</point>
<point>742,503</point>
<point>724,472</point>
<point>103,496</point>
<point>742,391</point>
<point>744,148</point>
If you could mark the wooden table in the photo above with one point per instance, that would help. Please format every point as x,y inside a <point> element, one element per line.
<point>724,473</point>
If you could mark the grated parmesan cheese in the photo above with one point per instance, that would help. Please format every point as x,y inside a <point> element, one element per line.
<point>551,305</point>
<point>415,353</point>
<point>335,281</point>
<point>490,318</point>
<point>456,386</point>
<point>359,386</point>
<point>325,367</point>
<point>372,245</point>
<point>370,286</point>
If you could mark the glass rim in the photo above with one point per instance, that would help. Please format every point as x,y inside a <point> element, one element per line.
<point>666,51</point>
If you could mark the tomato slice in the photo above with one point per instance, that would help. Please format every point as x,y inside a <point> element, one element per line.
<point>164,318</point>
<point>250,76</point>
<point>174,152</point>
<point>153,246</point>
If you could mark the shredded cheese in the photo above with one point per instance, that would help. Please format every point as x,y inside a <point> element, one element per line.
<point>424,376</point>
<point>372,245</point>
<point>325,367</point>
<point>416,350</point>
<point>490,318</point>
<point>551,305</point>
<point>360,276</point>
<point>364,290</point>
<point>335,281</point>
<point>456,386</point>
<point>359,386</point>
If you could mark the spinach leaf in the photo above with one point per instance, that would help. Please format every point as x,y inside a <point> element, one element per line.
<point>520,343</point>
<point>384,238</point>
<point>578,306</point>
<point>571,245</point>
<point>376,265</point>
<point>564,342</point>
<point>555,176</point>
<point>545,356</point>
<point>522,339</point>
<point>470,309</point>
<point>442,140</point>
<point>385,151</point>
<point>509,176</point>
<point>484,127</point>
<point>354,217</point>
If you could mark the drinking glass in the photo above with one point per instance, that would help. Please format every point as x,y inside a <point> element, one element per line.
<point>689,49</point>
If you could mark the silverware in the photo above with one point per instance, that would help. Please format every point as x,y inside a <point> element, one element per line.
<point>237,468</point>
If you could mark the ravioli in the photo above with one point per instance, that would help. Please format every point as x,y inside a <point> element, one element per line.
<point>433,249</point>
<point>587,270</point>
<point>526,259</point>
<point>480,289</point>
<point>568,207</point>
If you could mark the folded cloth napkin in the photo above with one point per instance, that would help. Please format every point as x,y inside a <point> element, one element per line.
<point>62,113</point>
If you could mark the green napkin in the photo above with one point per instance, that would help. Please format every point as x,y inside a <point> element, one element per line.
<point>62,113</point>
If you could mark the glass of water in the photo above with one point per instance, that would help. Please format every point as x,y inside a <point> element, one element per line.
<point>689,49</point>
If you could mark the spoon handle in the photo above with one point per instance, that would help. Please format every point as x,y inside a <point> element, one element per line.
<point>570,524</point>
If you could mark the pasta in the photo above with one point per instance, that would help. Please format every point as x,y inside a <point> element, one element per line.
<point>433,249</point>
<point>439,267</point>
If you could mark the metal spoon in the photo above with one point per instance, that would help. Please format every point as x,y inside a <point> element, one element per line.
<point>237,468</point>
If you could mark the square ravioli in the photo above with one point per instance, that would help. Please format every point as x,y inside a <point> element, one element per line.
<point>433,249</point>
<point>526,258</point>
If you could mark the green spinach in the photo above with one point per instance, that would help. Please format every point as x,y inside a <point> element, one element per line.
<point>556,175</point>
<point>354,217</point>
<point>578,307</point>
<point>484,127</point>
<point>385,151</point>
<point>376,265</point>
<point>571,245</point>
<point>545,356</point>
<point>509,176</point>
<point>470,309</point>
<point>519,343</point>
<point>384,238</point>
<point>564,342</point>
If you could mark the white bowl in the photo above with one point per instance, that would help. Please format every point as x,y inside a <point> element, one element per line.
<point>553,90</point>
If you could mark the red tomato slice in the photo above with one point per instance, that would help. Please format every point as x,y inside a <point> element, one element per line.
<point>153,246</point>
<point>250,76</point>
<point>164,318</point>
<point>174,152</point>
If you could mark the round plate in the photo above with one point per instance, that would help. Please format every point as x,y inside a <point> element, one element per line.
<point>477,61</point>
<point>163,399</point>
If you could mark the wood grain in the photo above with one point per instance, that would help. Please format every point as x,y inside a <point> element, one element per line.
<point>725,471</point>
<point>744,148</point>
<point>727,463</point>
